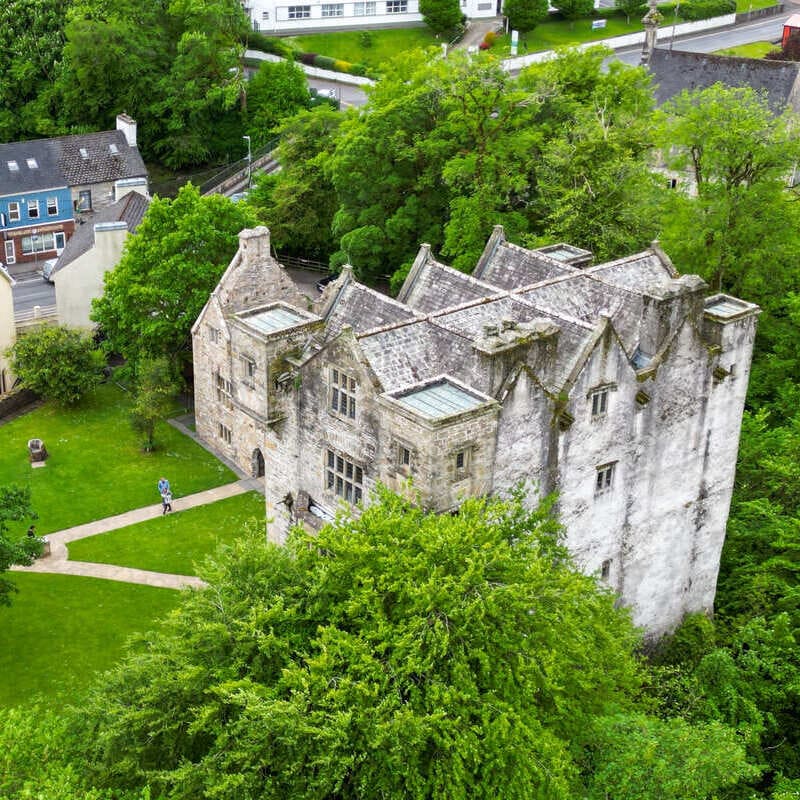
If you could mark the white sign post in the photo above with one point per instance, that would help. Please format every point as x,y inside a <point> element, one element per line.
<point>514,42</point>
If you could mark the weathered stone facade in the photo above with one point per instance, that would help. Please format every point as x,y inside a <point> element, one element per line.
<point>620,386</point>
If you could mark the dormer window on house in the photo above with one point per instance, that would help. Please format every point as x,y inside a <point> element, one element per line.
<point>13,166</point>
<point>32,163</point>
<point>33,209</point>
<point>344,478</point>
<point>342,394</point>
<point>13,212</point>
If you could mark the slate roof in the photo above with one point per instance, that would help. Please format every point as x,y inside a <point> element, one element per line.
<point>130,209</point>
<point>437,286</point>
<point>511,266</point>
<point>364,309</point>
<point>676,70</point>
<point>641,272</point>
<point>62,164</point>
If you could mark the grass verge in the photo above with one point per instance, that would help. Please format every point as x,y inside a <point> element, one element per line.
<point>751,50</point>
<point>96,466</point>
<point>62,630</point>
<point>174,543</point>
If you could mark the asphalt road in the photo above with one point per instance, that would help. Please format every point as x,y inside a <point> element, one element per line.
<point>33,290</point>
<point>346,94</point>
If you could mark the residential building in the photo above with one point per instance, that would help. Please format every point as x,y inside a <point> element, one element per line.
<point>47,185</point>
<point>275,16</point>
<point>620,386</point>
<point>94,249</point>
<point>8,330</point>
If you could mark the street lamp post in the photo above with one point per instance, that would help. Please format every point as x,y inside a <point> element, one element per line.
<point>249,162</point>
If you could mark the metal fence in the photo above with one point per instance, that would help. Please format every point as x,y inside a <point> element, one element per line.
<point>237,166</point>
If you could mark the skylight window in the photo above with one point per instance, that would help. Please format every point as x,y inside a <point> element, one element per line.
<point>114,149</point>
<point>13,166</point>
<point>84,153</point>
<point>32,163</point>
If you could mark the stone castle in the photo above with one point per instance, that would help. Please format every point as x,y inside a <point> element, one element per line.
<point>618,385</point>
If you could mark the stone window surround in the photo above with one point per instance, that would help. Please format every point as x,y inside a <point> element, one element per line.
<point>403,455</point>
<point>598,395</point>
<point>461,458</point>
<point>604,478</point>
<point>342,388</point>
<point>248,364</point>
<point>344,477</point>
<point>214,334</point>
<point>224,433</point>
<point>224,388</point>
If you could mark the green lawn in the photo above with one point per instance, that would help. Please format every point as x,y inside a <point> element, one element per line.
<point>96,467</point>
<point>385,44</point>
<point>176,542</point>
<point>62,630</point>
<point>752,50</point>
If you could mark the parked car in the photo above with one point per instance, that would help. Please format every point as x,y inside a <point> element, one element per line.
<point>47,269</point>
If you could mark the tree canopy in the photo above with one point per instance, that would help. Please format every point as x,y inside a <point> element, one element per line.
<point>167,272</point>
<point>15,505</point>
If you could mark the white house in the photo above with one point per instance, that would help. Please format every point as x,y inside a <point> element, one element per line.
<point>277,16</point>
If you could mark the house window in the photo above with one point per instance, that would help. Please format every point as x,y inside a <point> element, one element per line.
<point>52,206</point>
<point>396,6</point>
<point>13,212</point>
<point>11,257</point>
<point>605,570</point>
<point>299,12</point>
<point>365,9</point>
<point>672,183</point>
<point>265,16</point>
<point>59,240</point>
<point>37,243</point>
<point>224,391</point>
<point>33,209</point>
<point>224,433</point>
<point>343,394</point>
<point>248,369</point>
<point>599,399</point>
<point>461,459</point>
<point>84,200</point>
<point>213,334</point>
<point>344,478</point>
<point>604,478</point>
<point>403,457</point>
<point>332,10</point>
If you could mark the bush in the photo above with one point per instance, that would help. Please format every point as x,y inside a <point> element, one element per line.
<point>307,58</point>
<point>324,62</point>
<point>704,9</point>
<point>365,39</point>
<point>267,44</point>
<point>342,66</point>
<point>484,45</point>
<point>490,38</point>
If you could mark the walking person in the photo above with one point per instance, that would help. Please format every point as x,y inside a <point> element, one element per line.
<point>163,485</point>
<point>166,501</point>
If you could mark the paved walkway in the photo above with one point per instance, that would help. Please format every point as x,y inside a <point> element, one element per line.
<point>58,560</point>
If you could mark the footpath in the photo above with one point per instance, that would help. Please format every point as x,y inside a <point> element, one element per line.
<point>57,562</point>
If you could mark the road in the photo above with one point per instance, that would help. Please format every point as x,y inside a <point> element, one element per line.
<point>347,95</point>
<point>33,290</point>
<point>768,30</point>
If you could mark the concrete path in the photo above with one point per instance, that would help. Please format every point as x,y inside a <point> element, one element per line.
<point>58,560</point>
<point>477,29</point>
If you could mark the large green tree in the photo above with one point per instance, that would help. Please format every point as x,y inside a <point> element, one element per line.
<point>441,16</point>
<point>167,271</point>
<point>57,362</point>
<point>397,654</point>
<point>525,15</point>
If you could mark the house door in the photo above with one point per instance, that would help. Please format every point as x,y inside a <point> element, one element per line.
<point>10,257</point>
<point>59,241</point>
<point>258,464</point>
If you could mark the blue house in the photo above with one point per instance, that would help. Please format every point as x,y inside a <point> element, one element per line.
<point>47,185</point>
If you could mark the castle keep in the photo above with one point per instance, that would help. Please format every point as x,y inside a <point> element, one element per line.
<point>618,385</point>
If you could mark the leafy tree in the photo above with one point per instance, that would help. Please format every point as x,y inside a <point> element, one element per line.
<point>399,654</point>
<point>525,15</point>
<point>167,271</point>
<point>630,8</point>
<point>277,91</point>
<point>575,9</point>
<point>155,394</point>
<point>58,363</point>
<point>299,201</point>
<point>31,41</point>
<point>15,505</point>
<point>641,758</point>
<point>441,16</point>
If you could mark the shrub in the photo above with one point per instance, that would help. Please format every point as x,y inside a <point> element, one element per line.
<point>490,38</point>
<point>342,66</point>
<point>484,45</point>
<point>267,44</point>
<point>365,39</point>
<point>359,69</point>
<point>307,58</point>
<point>703,9</point>
<point>324,62</point>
